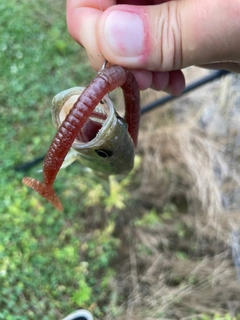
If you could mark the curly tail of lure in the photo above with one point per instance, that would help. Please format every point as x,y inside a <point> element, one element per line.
<point>107,80</point>
<point>44,191</point>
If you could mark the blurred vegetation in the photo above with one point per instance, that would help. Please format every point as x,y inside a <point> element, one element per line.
<point>52,263</point>
<point>49,264</point>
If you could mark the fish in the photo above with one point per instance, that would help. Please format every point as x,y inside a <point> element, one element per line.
<point>88,123</point>
<point>103,143</point>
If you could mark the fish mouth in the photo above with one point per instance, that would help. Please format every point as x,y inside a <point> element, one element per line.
<point>94,123</point>
<point>97,125</point>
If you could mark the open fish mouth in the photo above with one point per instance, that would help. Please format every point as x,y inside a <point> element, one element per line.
<point>96,125</point>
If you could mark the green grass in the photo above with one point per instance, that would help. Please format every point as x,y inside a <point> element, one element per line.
<point>50,262</point>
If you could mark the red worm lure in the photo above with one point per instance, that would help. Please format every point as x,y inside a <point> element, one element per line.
<point>79,115</point>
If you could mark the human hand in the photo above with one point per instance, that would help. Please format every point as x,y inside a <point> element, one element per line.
<point>155,39</point>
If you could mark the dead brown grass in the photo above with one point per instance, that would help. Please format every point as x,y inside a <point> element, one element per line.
<point>182,266</point>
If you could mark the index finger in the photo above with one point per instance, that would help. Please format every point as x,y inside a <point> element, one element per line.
<point>82,19</point>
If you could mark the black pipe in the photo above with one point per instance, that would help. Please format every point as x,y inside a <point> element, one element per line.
<point>27,165</point>
<point>160,102</point>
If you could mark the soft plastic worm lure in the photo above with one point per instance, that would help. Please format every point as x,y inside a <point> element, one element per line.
<point>83,118</point>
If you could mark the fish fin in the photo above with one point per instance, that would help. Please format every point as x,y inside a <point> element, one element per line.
<point>44,191</point>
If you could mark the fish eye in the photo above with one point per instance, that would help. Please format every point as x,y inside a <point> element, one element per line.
<point>104,153</point>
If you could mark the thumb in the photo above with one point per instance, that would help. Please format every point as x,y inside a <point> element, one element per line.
<point>170,36</point>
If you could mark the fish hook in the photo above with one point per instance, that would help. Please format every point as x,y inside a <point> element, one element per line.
<point>103,66</point>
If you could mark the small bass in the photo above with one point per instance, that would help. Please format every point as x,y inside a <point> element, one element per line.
<point>87,122</point>
<point>103,143</point>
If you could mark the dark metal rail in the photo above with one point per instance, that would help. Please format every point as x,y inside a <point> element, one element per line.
<point>160,102</point>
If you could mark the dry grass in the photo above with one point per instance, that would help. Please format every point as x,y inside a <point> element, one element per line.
<point>182,266</point>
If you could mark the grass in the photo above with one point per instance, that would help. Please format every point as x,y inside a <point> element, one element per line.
<point>50,263</point>
<point>158,247</point>
<point>41,275</point>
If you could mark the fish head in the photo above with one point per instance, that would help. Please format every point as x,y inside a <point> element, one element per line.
<point>103,143</point>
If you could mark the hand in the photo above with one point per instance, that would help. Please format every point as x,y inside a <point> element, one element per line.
<point>156,41</point>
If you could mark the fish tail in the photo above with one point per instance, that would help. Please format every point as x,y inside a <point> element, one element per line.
<point>44,191</point>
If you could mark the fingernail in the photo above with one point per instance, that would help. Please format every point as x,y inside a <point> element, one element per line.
<point>124,33</point>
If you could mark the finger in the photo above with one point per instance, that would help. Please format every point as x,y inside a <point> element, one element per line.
<point>172,82</point>
<point>82,18</point>
<point>75,10</point>
<point>154,80</point>
<point>176,83</point>
<point>171,35</point>
<point>160,80</point>
<point>144,78</point>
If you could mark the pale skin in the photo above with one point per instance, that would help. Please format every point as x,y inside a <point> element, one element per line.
<point>156,39</point>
